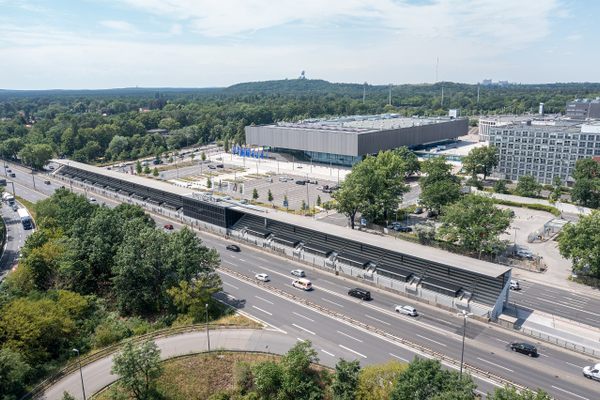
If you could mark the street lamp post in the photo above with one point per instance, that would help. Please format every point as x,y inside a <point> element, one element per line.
<point>13,186</point>
<point>80,372</point>
<point>207,333</point>
<point>465,315</point>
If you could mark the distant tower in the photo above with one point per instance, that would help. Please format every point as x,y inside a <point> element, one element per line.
<point>541,110</point>
<point>302,75</point>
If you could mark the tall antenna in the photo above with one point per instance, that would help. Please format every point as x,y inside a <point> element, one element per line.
<point>437,64</point>
<point>390,96</point>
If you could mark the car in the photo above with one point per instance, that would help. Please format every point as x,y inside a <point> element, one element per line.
<point>300,182</point>
<point>302,283</point>
<point>168,227</point>
<point>432,213</point>
<point>211,166</point>
<point>592,372</point>
<point>262,277</point>
<point>15,207</point>
<point>220,166</point>
<point>298,272</point>
<point>514,285</point>
<point>9,170</point>
<point>12,175</point>
<point>313,181</point>
<point>407,310</point>
<point>92,200</point>
<point>419,210</point>
<point>47,182</point>
<point>51,167</point>
<point>233,247</point>
<point>402,228</point>
<point>524,253</point>
<point>283,179</point>
<point>524,348</point>
<point>360,293</point>
<point>327,191</point>
<point>243,201</point>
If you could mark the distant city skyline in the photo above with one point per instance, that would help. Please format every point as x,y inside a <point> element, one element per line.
<point>92,44</point>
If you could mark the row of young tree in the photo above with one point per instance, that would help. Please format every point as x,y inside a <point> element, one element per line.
<point>297,376</point>
<point>90,276</point>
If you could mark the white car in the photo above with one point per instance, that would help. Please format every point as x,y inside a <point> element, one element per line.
<point>407,310</point>
<point>592,372</point>
<point>514,285</point>
<point>262,277</point>
<point>92,200</point>
<point>298,272</point>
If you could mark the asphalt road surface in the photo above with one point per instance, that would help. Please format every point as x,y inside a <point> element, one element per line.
<point>556,371</point>
<point>15,239</point>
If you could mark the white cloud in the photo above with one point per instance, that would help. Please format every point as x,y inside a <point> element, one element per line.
<point>120,26</point>
<point>176,29</point>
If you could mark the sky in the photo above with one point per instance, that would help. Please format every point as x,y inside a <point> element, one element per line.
<point>90,44</point>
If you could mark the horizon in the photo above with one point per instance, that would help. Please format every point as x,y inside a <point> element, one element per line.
<point>201,44</point>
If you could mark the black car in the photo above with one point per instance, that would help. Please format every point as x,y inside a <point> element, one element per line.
<point>300,182</point>
<point>402,228</point>
<point>233,247</point>
<point>360,293</point>
<point>220,166</point>
<point>524,348</point>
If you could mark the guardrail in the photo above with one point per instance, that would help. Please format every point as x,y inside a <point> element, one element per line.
<point>422,349</point>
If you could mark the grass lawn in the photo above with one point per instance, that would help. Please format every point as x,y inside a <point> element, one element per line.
<point>198,376</point>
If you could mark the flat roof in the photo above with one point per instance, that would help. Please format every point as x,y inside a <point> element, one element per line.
<point>387,243</point>
<point>360,124</point>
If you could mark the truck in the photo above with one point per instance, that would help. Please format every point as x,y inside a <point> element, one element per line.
<point>8,198</point>
<point>26,219</point>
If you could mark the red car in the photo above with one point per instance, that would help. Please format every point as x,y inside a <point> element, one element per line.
<point>168,227</point>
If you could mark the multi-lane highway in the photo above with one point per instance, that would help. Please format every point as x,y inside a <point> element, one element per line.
<point>15,238</point>
<point>557,371</point>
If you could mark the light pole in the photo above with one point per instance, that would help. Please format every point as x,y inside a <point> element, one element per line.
<point>207,334</point>
<point>515,239</point>
<point>465,315</point>
<point>80,372</point>
<point>13,186</point>
<point>33,179</point>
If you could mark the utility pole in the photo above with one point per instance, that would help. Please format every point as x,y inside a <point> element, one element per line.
<point>80,372</point>
<point>465,315</point>
<point>207,334</point>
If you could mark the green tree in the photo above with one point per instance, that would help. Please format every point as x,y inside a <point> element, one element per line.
<point>409,160</point>
<point>243,379</point>
<point>138,367</point>
<point>527,186</point>
<point>269,196</point>
<point>586,190</point>
<point>349,197</point>
<point>438,187</point>
<point>510,393</point>
<point>500,186</point>
<point>580,242</point>
<point>557,186</point>
<point>14,375</point>
<point>36,155</point>
<point>345,381</point>
<point>474,222</point>
<point>203,156</point>
<point>155,172</point>
<point>67,396</point>
<point>254,194</point>
<point>146,169</point>
<point>424,379</point>
<point>191,297</point>
<point>318,201</point>
<point>481,160</point>
<point>138,167</point>
<point>299,381</point>
<point>267,379</point>
<point>376,382</point>
<point>226,145</point>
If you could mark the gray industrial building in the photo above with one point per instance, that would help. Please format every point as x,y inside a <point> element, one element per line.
<point>583,109</point>
<point>543,149</point>
<point>345,140</point>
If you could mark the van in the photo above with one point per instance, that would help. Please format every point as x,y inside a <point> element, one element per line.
<point>302,283</point>
<point>360,293</point>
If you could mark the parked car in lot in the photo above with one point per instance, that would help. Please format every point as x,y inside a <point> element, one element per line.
<point>302,283</point>
<point>592,372</point>
<point>360,293</point>
<point>312,181</point>
<point>524,253</point>
<point>47,182</point>
<point>92,200</point>
<point>524,348</point>
<point>407,310</point>
<point>300,182</point>
<point>402,228</point>
<point>432,214</point>
<point>233,247</point>
<point>419,210</point>
<point>298,272</point>
<point>168,227</point>
<point>220,166</point>
<point>283,179</point>
<point>12,175</point>
<point>262,277</point>
<point>211,166</point>
<point>15,207</point>
<point>514,285</point>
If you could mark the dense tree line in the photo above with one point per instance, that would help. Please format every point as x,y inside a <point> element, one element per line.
<point>91,276</point>
<point>109,125</point>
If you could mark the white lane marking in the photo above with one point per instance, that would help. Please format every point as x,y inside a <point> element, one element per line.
<point>303,316</point>
<point>573,308</point>
<point>398,357</point>
<point>260,309</point>
<point>263,299</point>
<point>574,365</point>
<point>494,364</point>
<point>333,283</point>
<point>353,351</point>
<point>242,260</point>
<point>304,329</point>
<point>229,284</point>
<point>571,393</point>
<point>591,319</point>
<point>543,355</point>
<point>260,259</point>
<point>300,340</point>
<point>328,353</point>
<point>431,340</point>
<point>503,341</point>
<point>377,319</point>
<point>348,336</point>
<point>251,316</point>
<point>332,302</point>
